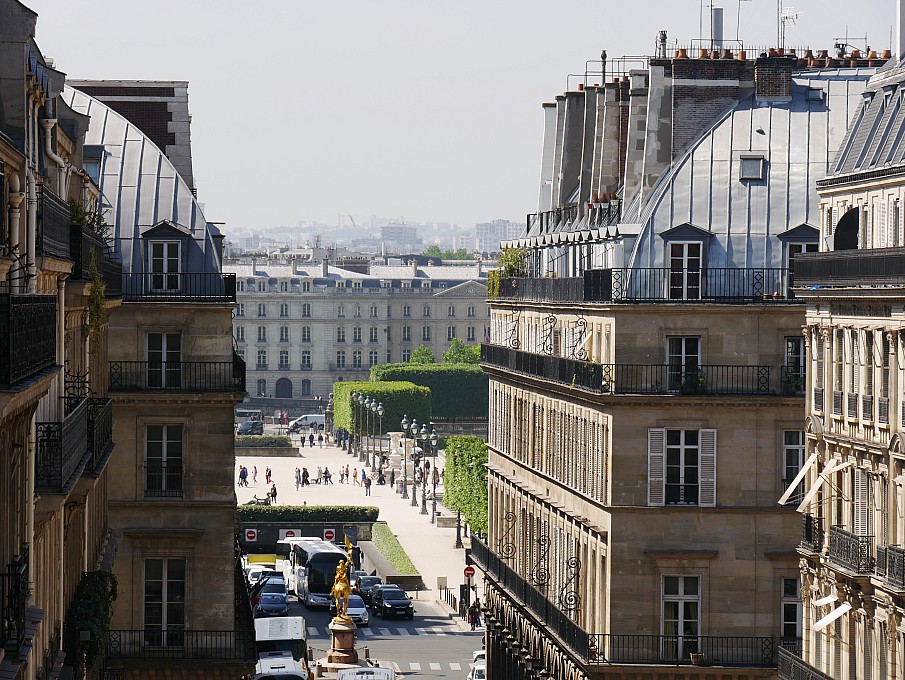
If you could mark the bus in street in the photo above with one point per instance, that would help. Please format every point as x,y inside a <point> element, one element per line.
<point>312,568</point>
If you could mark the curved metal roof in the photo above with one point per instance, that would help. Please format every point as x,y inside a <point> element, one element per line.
<point>141,188</point>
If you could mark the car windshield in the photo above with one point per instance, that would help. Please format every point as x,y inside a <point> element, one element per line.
<point>273,598</point>
<point>356,602</point>
<point>393,594</point>
<point>368,581</point>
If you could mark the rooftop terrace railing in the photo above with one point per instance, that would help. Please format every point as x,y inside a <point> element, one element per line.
<point>179,287</point>
<point>28,336</point>
<point>851,268</point>
<point>53,225</point>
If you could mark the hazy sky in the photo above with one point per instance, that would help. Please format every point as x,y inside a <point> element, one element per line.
<point>429,110</point>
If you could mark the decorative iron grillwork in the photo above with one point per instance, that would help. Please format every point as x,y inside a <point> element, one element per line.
<point>540,573</point>
<point>549,325</point>
<point>577,350</point>
<point>569,597</point>
<point>505,545</point>
<point>28,333</point>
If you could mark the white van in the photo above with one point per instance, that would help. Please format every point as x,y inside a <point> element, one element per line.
<point>275,666</point>
<point>366,674</point>
<point>304,423</point>
<point>282,636</point>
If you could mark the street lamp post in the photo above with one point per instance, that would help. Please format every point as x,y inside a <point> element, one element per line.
<point>361,421</point>
<point>414,446</point>
<point>459,530</point>
<point>351,441</point>
<point>380,412</point>
<point>363,453</point>
<point>435,475</point>
<point>405,427</point>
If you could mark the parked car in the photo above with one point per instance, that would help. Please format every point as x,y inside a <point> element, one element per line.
<point>391,600</point>
<point>355,611</point>
<point>365,587</point>
<point>357,574</point>
<point>479,656</point>
<point>478,672</point>
<point>251,427</point>
<point>272,604</point>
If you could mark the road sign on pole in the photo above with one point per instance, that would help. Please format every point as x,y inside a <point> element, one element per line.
<point>251,535</point>
<point>329,534</point>
<point>469,571</point>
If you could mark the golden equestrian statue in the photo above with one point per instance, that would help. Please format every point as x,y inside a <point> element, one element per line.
<point>341,588</point>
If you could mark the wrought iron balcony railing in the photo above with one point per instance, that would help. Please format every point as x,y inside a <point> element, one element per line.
<point>891,565</point>
<point>100,432</point>
<point>655,284</point>
<point>792,667</point>
<point>164,480</point>
<point>13,599</point>
<point>53,225</point>
<point>812,533</point>
<point>554,619</point>
<point>749,652</point>
<point>179,287</point>
<point>851,551</point>
<point>84,244</point>
<point>634,378</point>
<point>183,376</point>
<point>844,268</point>
<point>62,448</point>
<point>28,336</point>
<point>180,644</point>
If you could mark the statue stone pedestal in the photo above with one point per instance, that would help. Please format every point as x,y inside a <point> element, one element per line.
<point>342,650</point>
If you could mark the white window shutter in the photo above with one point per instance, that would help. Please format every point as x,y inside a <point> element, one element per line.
<point>883,224</point>
<point>656,466</point>
<point>901,225</point>
<point>861,501</point>
<point>707,492</point>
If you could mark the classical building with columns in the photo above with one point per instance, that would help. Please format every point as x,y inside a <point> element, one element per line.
<point>853,544</point>
<point>646,368</point>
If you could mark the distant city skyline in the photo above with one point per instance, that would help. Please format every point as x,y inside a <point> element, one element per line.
<point>405,107</point>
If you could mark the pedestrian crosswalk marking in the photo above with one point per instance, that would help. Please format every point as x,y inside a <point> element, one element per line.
<point>455,667</point>
<point>421,631</point>
<point>435,666</point>
<point>413,666</point>
<point>312,630</point>
<point>404,631</point>
<point>384,631</point>
<point>367,631</point>
<point>438,631</point>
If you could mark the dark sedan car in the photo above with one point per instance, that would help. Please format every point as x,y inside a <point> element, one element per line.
<point>392,601</point>
<point>251,427</point>
<point>272,604</point>
<point>365,587</point>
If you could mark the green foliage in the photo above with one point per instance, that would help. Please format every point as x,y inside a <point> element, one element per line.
<point>493,284</point>
<point>93,219</point>
<point>514,262</point>
<point>423,355</point>
<point>97,301</point>
<point>91,610</point>
<point>465,480</point>
<point>388,545</point>
<point>268,441</point>
<point>460,353</point>
<point>457,390</point>
<point>458,254</point>
<point>308,513</point>
<point>399,399</point>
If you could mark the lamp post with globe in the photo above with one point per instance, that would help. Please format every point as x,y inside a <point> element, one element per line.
<point>415,428</point>
<point>353,435</point>
<point>405,427</point>
<point>378,410</point>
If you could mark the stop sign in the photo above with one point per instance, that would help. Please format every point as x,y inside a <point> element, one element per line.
<point>251,535</point>
<point>329,534</point>
<point>469,571</point>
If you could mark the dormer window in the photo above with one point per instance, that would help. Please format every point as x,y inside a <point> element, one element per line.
<point>164,265</point>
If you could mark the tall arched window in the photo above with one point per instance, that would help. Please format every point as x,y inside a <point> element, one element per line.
<point>284,388</point>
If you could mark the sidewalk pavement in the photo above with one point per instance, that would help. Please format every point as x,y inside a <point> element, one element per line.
<point>429,547</point>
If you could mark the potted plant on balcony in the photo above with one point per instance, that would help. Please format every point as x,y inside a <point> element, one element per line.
<point>692,383</point>
<point>792,381</point>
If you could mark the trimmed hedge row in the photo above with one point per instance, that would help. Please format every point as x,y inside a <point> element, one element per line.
<point>465,480</point>
<point>387,543</point>
<point>399,399</point>
<point>457,390</point>
<point>308,513</point>
<point>269,441</point>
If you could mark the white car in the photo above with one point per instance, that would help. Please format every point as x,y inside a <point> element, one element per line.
<point>357,611</point>
<point>479,656</point>
<point>478,672</point>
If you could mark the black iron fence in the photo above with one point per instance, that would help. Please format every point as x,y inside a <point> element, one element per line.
<point>752,652</point>
<point>177,643</point>
<point>812,533</point>
<point>569,371</point>
<point>61,448</point>
<point>164,479</point>
<point>182,376</point>
<point>179,287</point>
<point>851,551</point>
<point>656,284</point>
<point>13,599</point>
<point>891,565</point>
<point>515,586</point>
<point>792,667</point>
<point>84,244</point>
<point>100,431</point>
<point>878,266</point>
<point>28,336</point>
<point>53,225</point>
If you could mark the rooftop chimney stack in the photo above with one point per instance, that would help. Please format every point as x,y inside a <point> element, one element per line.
<point>900,29</point>
<point>716,28</point>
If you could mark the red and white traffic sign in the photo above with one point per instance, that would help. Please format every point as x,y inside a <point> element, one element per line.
<point>251,535</point>
<point>329,534</point>
<point>290,533</point>
<point>469,571</point>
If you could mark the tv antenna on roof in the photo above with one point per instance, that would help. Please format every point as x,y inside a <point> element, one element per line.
<point>785,16</point>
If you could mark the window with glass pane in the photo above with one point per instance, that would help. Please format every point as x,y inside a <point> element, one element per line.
<point>406,355</point>
<point>262,286</point>
<point>284,286</point>
<point>426,333</point>
<point>685,271</point>
<point>471,333</point>
<point>284,359</point>
<point>356,334</point>
<point>284,333</point>
<point>262,387</point>
<point>426,311</point>
<point>450,332</point>
<point>682,469</point>
<point>681,617</point>
<point>164,360</point>
<point>340,334</point>
<point>164,265</point>
<point>372,334</point>
<point>306,310</point>
<point>451,311</point>
<point>306,333</point>
<point>262,358</point>
<point>372,358</point>
<point>284,309</point>
<point>164,602</point>
<point>163,460</point>
<point>406,333</point>
<point>406,310</point>
<point>262,309</point>
<point>373,311</point>
<point>262,333</point>
<point>240,309</point>
<point>793,459</point>
<point>791,610</point>
<point>240,333</point>
<point>684,364</point>
<point>340,359</point>
<point>471,311</point>
<point>356,359</point>
<point>306,359</point>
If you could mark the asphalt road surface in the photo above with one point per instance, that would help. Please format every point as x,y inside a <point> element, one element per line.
<point>431,646</point>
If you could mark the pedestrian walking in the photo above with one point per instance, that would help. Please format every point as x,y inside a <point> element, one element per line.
<point>305,477</point>
<point>393,478</point>
<point>474,615</point>
<point>311,439</point>
<point>267,474</point>
<point>320,475</point>
<point>355,476</point>
<point>364,476</point>
<point>298,479</point>
<point>327,476</point>
<point>273,497</point>
<point>243,476</point>
<point>254,474</point>
<point>347,474</point>
<point>320,440</point>
<point>367,484</point>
